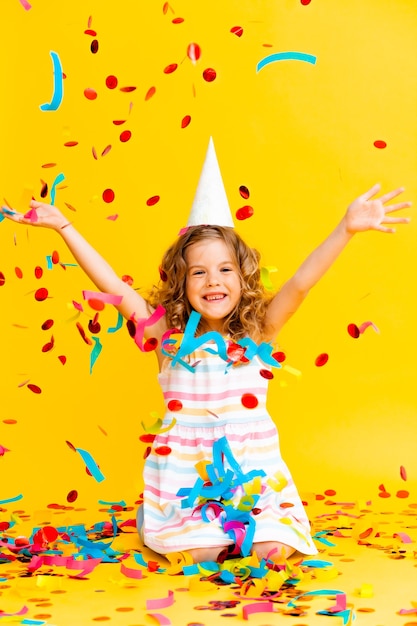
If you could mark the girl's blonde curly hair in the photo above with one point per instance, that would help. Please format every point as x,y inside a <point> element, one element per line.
<point>248,317</point>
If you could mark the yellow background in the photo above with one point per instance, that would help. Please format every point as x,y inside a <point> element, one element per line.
<point>299,136</point>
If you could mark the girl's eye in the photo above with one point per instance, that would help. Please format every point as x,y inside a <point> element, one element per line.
<point>226,269</point>
<point>197,272</point>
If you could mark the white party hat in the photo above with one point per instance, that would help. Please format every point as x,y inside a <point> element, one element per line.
<point>210,205</point>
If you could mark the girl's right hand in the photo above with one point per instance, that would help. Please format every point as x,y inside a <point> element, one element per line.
<point>39,214</point>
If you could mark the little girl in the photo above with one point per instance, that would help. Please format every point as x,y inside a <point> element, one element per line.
<point>221,484</point>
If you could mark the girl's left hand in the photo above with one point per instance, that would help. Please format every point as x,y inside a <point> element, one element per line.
<point>370,213</point>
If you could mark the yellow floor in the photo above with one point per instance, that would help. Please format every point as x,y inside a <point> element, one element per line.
<point>365,569</point>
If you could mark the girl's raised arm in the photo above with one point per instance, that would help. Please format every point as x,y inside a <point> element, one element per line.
<point>93,264</point>
<point>365,213</point>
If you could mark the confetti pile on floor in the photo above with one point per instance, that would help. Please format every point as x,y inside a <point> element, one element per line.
<point>58,568</point>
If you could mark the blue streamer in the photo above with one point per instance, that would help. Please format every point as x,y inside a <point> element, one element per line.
<point>58,85</point>
<point>286,56</point>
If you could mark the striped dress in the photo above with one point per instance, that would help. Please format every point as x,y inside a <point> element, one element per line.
<point>215,403</point>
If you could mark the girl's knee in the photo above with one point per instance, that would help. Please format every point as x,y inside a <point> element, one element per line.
<point>273,550</point>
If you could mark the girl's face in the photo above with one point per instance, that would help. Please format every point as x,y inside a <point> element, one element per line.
<point>212,282</point>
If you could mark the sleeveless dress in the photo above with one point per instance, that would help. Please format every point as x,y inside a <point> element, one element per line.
<point>218,405</point>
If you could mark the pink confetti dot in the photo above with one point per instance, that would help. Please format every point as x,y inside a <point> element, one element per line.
<point>249,401</point>
<point>322,359</point>
<point>244,212</point>
<point>111,82</point>
<point>108,195</point>
<point>90,93</point>
<point>379,143</point>
<point>209,75</point>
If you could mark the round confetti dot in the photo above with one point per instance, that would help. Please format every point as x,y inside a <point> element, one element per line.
<point>55,257</point>
<point>41,294</point>
<point>94,46</point>
<point>91,32</point>
<point>175,405</point>
<point>34,388</point>
<point>185,121</point>
<point>353,331</point>
<point>38,272</point>
<point>321,359</point>
<point>95,304</point>
<point>90,94</point>
<point>305,2</point>
<point>48,346</point>
<point>128,89</point>
<point>147,452</point>
<point>237,30</point>
<point>2,279</point>
<point>118,122</point>
<point>244,192</point>
<point>163,450</point>
<point>125,136</point>
<point>249,401</point>
<point>244,212</point>
<point>178,20</point>
<point>108,195</point>
<point>330,492</point>
<point>151,92</point>
<point>150,344</point>
<point>153,200</point>
<point>94,327</point>
<point>147,438</point>
<point>266,374</point>
<point>9,422</point>
<point>111,82</point>
<point>18,272</point>
<point>126,278</point>
<point>279,356</point>
<point>384,494</point>
<point>209,75</point>
<point>402,493</point>
<point>170,68</point>
<point>72,495</point>
<point>194,52</point>
<point>379,143</point>
<point>403,472</point>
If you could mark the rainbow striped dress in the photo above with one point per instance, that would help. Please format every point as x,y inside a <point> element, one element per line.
<point>191,489</point>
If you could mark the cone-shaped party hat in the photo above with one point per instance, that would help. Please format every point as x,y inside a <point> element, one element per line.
<point>210,205</point>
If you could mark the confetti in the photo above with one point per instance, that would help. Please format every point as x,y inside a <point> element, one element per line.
<point>25,4</point>
<point>58,92</point>
<point>321,359</point>
<point>108,195</point>
<point>193,52</point>
<point>284,56</point>
<point>90,93</point>
<point>379,143</point>
<point>244,212</point>
<point>209,75</point>
<point>237,30</point>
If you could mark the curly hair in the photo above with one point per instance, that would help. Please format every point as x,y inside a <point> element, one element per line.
<point>248,317</point>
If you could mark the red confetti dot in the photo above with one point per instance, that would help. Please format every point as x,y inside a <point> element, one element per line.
<point>178,20</point>
<point>185,121</point>
<point>151,92</point>
<point>118,122</point>
<point>384,494</point>
<point>71,447</point>
<point>96,305</point>
<point>244,212</point>
<point>55,257</point>
<point>127,89</point>
<point>72,495</point>
<point>322,359</point>
<point>279,356</point>
<point>125,136</point>
<point>108,195</point>
<point>237,30</point>
<point>330,492</point>
<point>48,346</point>
<point>9,421</point>
<point>2,279</point>
<point>127,279</point>
<point>47,324</point>
<point>18,272</point>
<point>163,275</point>
<point>163,450</point>
<point>153,200</point>
<point>83,335</point>
<point>94,46</point>
<point>44,190</point>
<point>175,405</point>
<point>90,94</point>
<point>147,438</point>
<point>170,68</point>
<point>41,294</point>
<point>209,75</point>
<point>63,359</point>
<point>38,272</point>
<point>266,374</point>
<point>34,388</point>
<point>106,151</point>
<point>94,327</point>
<point>4,526</point>
<point>70,144</point>
<point>50,533</point>
<point>147,452</point>
<point>319,496</point>
<point>111,82</point>
<point>46,165</point>
<point>249,401</point>
<point>353,331</point>
<point>403,472</point>
<point>244,192</point>
<point>193,52</point>
<point>402,493</point>
<point>380,144</point>
<point>305,2</point>
<point>235,352</point>
<point>150,344</point>
<point>90,32</point>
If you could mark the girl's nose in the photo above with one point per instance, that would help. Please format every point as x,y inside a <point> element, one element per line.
<point>212,279</point>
